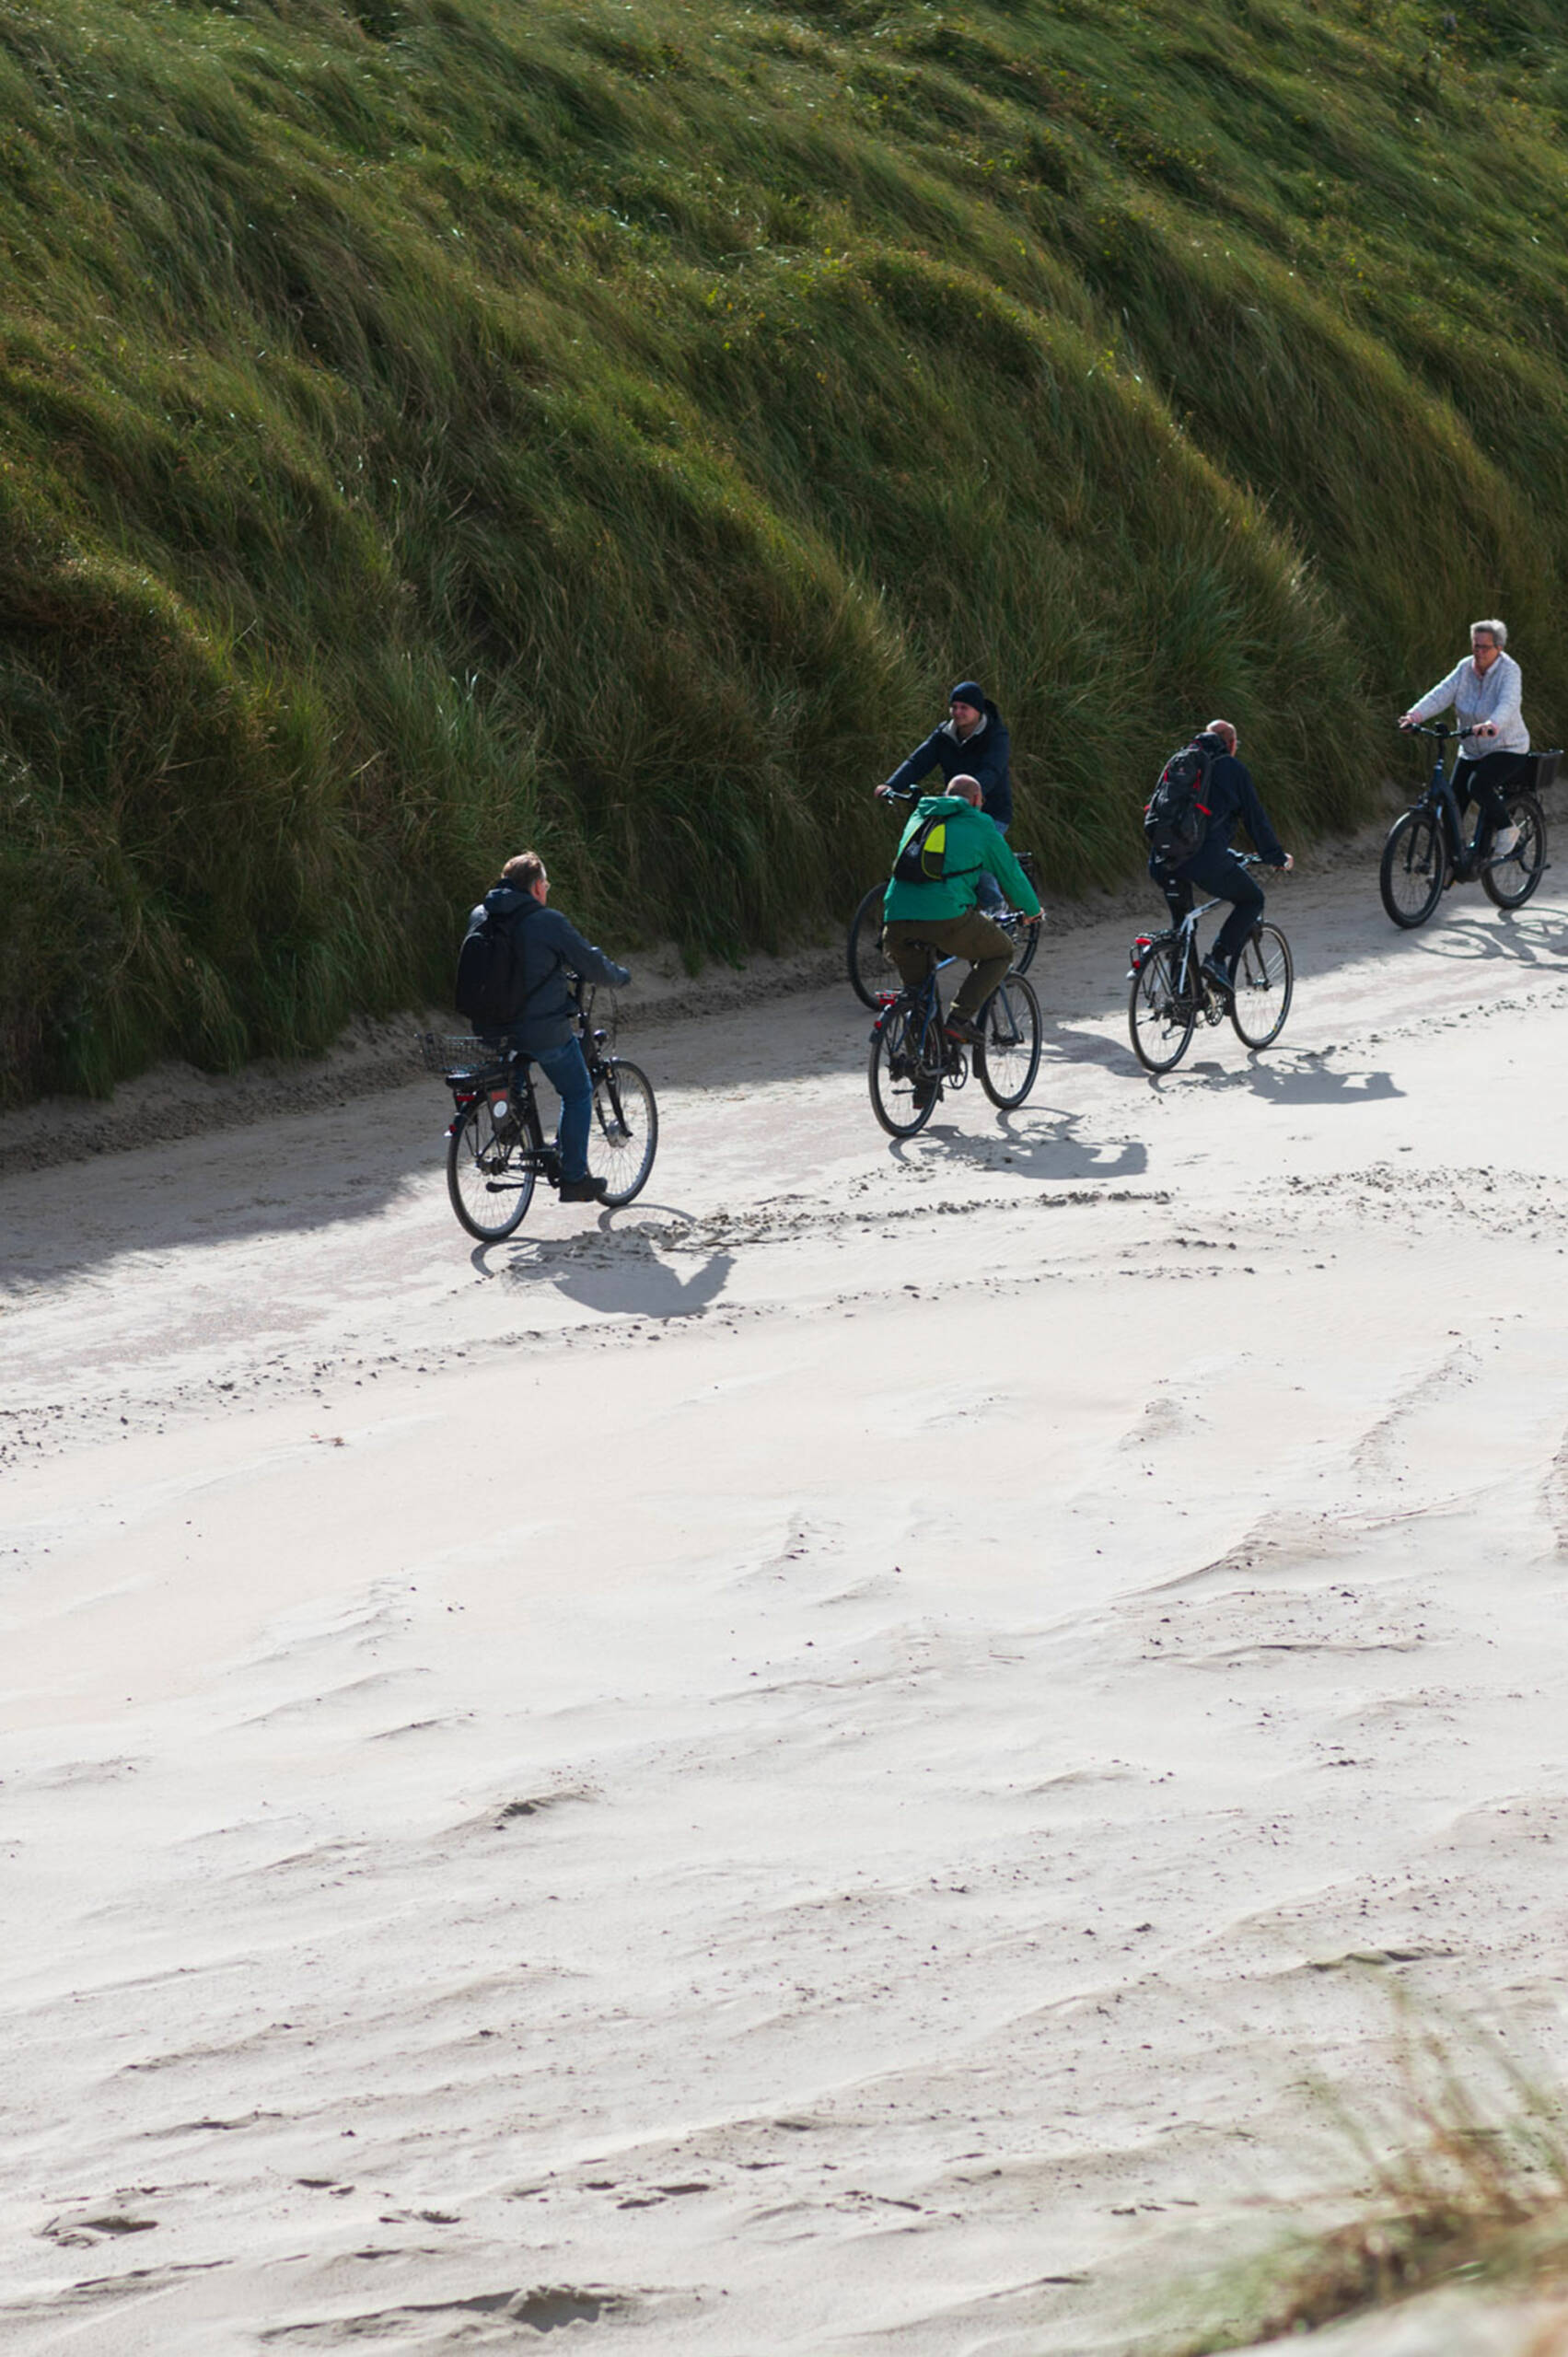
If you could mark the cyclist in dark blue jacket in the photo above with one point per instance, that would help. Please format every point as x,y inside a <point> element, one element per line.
<point>550,951</point>
<point>972,742</point>
<point>1230,798</point>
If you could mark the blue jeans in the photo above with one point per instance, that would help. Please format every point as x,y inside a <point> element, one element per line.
<point>988,893</point>
<point>568,1075</point>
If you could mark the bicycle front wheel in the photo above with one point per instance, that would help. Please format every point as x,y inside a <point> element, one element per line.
<point>869,970</point>
<point>1008,1055</point>
<point>624,1137</point>
<point>1511,879</point>
<point>1414,868</point>
<point>1159,1018</point>
<point>489,1174</point>
<point>1265,976</point>
<point>904,1091</point>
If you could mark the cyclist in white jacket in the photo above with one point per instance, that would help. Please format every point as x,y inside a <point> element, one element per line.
<point>1486,694</point>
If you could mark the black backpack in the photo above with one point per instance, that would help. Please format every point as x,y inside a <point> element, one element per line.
<point>1177,814</point>
<point>489,988</point>
<point>924,859</point>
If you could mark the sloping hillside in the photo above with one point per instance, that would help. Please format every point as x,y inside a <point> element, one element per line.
<point>433,425</point>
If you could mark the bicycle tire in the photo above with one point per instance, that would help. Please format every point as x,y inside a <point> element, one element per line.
<point>1414,868</point>
<point>1526,861</point>
<point>624,1139</point>
<point>1008,1055</point>
<point>904,1089</point>
<point>1264,985</point>
<point>1160,1020</point>
<point>488,1202</point>
<point>870,969</point>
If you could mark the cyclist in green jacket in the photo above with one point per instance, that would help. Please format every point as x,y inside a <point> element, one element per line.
<point>941,912</point>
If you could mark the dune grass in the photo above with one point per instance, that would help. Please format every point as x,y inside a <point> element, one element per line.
<point>430,426</point>
<point>1463,2185</point>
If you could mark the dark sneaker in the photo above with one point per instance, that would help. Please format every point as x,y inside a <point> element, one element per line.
<point>586,1190</point>
<point>959,1027</point>
<point>1216,976</point>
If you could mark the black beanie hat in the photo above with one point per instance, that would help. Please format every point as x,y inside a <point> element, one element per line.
<point>968,691</point>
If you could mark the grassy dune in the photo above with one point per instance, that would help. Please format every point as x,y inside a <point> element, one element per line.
<point>430,426</point>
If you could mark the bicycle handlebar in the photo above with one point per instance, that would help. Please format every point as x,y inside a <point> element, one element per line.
<point>1420,728</point>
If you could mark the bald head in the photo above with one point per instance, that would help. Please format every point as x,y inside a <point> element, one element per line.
<point>967,789</point>
<point>1222,729</point>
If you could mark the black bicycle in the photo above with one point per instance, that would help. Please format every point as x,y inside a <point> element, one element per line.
<point>1426,851</point>
<point>912,1060</point>
<point>497,1149</point>
<point>870,967</point>
<point>1170,991</point>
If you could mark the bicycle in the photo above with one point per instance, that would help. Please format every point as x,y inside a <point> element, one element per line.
<point>497,1149</point>
<point>870,966</point>
<point>912,1060</point>
<point>1170,990</point>
<point>1426,851</point>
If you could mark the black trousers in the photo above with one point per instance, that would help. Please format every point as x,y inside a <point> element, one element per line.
<point>1486,781</point>
<point>1220,875</point>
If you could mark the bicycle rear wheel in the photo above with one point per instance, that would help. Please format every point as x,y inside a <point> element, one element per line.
<point>1511,879</point>
<point>904,1086</point>
<point>1414,868</point>
<point>624,1138</point>
<point>1160,1020</point>
<point>1261,994</point>
<point>870,969</point>
<point>489,1174</point>
<point>1008,1055</point>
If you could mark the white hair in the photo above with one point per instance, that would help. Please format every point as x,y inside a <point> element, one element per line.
<point>1494,630</point>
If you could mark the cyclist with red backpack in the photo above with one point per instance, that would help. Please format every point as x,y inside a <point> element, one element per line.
<point>1203,794</point>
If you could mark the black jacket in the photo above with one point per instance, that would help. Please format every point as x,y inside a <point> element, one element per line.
<point>983,756</point>
<point>550,950</point>
<point>1233,799</point>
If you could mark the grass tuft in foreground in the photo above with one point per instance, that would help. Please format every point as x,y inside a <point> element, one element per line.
<point>1466,2183</point>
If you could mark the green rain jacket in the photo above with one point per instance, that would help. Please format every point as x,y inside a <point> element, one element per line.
<point>974,841</point>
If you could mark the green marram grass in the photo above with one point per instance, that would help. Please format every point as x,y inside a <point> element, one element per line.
<point>430,426</point>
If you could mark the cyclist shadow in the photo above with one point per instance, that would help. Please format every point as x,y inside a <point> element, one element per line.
<point>1308,1082</point>
<point>617,1272</point>
<point>1039,1142</point>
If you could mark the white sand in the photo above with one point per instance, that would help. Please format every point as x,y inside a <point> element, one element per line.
<point>811,1765</point>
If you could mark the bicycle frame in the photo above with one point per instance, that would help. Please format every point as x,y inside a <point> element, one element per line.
<point>1188,962</point>
<point>942,1058</point>
<point>511,1076</point>
<point>1440,796</point>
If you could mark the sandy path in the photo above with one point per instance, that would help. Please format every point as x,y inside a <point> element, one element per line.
<point>443,1900</point>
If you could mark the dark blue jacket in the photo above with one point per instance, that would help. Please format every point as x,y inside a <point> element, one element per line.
<point>550,950</point>
<point>1233,799</point>
<point>983,756</point>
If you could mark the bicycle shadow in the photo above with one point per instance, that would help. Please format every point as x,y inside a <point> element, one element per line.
<point>616,1272</point>
<point>1036,1142</point>
<point>1308,1082</point>
<point>1538,939</point>
<point>1072,1045</point>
